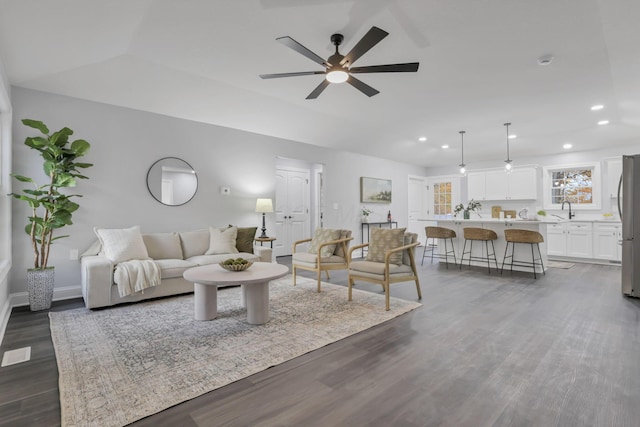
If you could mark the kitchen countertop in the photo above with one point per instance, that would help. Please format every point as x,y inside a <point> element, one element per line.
<point>512,220</point>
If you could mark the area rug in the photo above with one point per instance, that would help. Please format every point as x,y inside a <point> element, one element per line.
<point>121,364</point>
<point>560,264</point>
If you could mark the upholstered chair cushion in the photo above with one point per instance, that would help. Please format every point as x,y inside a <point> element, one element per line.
<point>311,260</point>
<point>343,235</point>
<point>163,245</point>
<point>194,242</point>
<point>121,245</point>
<point>244,240</point>
<point>222,241</point>
<point>409,238</point>
<point>323,235</point>
<point>382,240</point>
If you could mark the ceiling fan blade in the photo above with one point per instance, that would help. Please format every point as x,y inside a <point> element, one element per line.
<point>302,73</point>
<point>318,90</point>
<point>409,67</point>
<point>362,87</point>
<point>372,38</point>
<point>289,42</point>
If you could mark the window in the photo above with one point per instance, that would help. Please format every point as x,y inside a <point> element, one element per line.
<point>578,184</point>
<point>442,204</point>
<point>573,185</point>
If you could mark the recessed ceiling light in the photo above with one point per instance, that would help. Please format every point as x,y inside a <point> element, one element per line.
<point>513,136</point>
<point>597,107</point>
<point>603,122</point>
<point>567,146</point>
<point>422,139</point>
<point>445,146</point>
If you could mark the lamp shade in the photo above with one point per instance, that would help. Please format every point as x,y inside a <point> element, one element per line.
<point>264,205</point>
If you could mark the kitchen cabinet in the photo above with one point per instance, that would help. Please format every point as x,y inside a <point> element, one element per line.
<point>614,170</point>
<point>520,184</point>
<point>556,240</point>
<point>570,239</point>
<point>606,238</point>
<point>475,185</point>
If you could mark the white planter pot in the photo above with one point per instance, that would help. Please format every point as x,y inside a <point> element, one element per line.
<point>40,287</point>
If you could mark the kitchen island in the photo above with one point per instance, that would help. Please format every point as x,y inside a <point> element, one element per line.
<point>522,251</point>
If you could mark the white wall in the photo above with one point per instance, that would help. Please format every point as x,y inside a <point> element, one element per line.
<point>5,201</point>
<point>125,143</point>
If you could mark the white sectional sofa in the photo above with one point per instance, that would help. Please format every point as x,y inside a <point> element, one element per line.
<point>173,252</point>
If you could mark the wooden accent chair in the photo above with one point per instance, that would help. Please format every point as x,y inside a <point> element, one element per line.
<point>394,264</point>
<point>327,251</point>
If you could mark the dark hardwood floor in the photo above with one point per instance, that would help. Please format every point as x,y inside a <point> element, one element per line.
<point>483,350</point>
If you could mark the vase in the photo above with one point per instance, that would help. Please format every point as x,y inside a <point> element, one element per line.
<point>365,219</point>
<point>467,214</point>
<point>40,287</point>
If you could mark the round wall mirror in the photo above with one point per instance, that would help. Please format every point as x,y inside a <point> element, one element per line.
<point>172,181</point>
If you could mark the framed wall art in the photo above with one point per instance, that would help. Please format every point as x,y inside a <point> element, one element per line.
<point>375,190</point>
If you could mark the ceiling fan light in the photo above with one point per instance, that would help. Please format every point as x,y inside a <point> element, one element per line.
<point>337,76</point>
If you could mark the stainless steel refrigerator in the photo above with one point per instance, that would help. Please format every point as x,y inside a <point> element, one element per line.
<point>629,208</point>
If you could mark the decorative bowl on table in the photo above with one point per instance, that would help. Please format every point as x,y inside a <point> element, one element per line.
<point>237,264</point>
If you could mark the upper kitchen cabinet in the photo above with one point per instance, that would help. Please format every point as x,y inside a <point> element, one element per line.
<point>614,171</point>
<point>520,184</point>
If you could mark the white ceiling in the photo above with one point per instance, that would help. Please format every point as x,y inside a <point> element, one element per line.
<point>200,60</point>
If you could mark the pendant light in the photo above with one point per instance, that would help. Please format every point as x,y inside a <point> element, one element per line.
<point>463,169</point>
<point>507,166</point>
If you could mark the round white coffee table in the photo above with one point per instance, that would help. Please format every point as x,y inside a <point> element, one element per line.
<point>254,282</point>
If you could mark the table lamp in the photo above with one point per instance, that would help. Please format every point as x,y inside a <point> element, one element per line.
<point>264,206</point>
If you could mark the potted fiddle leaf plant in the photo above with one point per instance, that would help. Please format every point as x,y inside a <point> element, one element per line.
<point>50,208</point>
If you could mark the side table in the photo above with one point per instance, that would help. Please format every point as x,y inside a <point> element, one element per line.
<point>265,239</point>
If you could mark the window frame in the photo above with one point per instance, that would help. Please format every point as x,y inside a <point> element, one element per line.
<point>596,185</point>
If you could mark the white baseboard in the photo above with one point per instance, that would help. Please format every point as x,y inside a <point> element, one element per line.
<point>20,299</point>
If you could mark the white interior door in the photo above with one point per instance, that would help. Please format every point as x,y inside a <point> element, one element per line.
<point>418,210</point>
<point>443,193</point>
<point>291,209</point>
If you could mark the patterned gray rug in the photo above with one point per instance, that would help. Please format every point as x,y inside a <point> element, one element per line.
<point>121,364</point>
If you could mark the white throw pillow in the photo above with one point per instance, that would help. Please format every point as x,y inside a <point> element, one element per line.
<point>121,245</point>
<point>222,241</point>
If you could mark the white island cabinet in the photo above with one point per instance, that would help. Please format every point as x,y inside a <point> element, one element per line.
<point>522,251</point>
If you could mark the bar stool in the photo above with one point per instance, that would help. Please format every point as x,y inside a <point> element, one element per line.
<point>472,234</point>
<point>445,234</point>
<point>529,237</point>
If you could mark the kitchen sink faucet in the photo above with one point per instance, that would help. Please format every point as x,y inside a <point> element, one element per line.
<point>571,214</point>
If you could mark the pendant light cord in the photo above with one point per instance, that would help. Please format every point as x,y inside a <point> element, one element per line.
<point>507,125</point>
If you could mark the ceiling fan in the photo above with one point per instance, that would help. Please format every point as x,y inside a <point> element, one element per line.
<point>338,68</point>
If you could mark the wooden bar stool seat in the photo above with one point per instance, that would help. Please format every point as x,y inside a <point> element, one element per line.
<point>442,233</point>
<point>529,237</point>
<point>472,234</point>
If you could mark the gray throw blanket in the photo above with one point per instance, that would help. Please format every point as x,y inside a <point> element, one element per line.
<point>135,276</point>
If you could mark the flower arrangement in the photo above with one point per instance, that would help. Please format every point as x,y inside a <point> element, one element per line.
<point>364,211</point>
<point>472,206</point>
